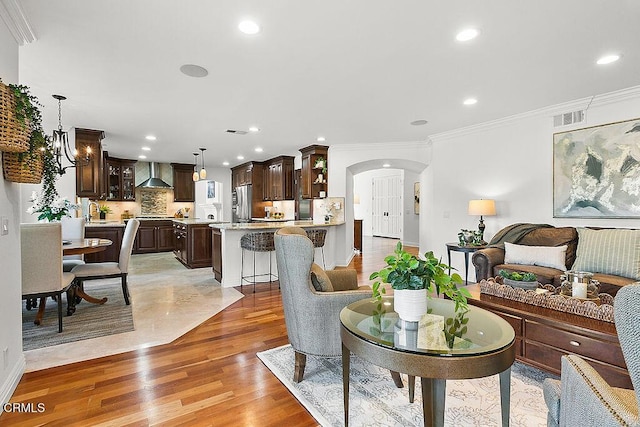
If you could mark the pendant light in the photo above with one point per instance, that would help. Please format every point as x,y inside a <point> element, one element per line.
<point>60,144</point>
<point>196,177</point>
<point>203,171</point>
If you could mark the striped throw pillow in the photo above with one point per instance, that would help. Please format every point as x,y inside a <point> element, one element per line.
<point>609,251</point>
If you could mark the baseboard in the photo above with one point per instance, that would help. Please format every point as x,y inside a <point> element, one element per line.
<point>10,385</point>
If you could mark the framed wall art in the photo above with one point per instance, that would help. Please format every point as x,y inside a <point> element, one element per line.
<point>596,171</point>
<point>416,198</point>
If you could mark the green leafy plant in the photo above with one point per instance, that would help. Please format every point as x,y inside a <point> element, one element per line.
<point>406,271</point>
<point>105,209</point>
<point>321,161</point>
<point>520,276</point>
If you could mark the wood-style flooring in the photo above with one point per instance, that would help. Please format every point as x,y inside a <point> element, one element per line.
<point>208,377</point>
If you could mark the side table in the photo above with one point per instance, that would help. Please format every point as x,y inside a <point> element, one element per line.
<point>455,247</point>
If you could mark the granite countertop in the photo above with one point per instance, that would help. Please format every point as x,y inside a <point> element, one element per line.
<point>191,221</point>
<point>104,223</point>
<point>273,225</point>
<point>263,219</point>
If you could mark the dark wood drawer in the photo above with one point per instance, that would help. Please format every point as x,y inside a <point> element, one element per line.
<point>515,322</point>
<point>550,358</point>
<point>608,352</point>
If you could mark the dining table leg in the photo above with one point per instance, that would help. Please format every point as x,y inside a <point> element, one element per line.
<point>77,293</point>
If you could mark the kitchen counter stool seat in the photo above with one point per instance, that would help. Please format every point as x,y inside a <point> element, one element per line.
<point>256,242</point>
<point>318,236</point>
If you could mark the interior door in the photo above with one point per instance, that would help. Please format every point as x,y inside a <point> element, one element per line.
<point>387,206</point>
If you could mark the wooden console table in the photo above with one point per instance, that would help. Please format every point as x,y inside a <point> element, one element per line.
<point>544,335</point>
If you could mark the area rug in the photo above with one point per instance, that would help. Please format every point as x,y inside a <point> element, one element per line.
<point>88,321</point>
<point>374,400</point>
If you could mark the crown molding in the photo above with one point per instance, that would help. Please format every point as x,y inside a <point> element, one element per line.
<point>17,22</point>
<point>380,145</point>
<point>579,104</point>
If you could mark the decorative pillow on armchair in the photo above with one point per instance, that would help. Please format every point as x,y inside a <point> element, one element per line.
<point>544,256</point>
<point>320,280</point>
<point>609,251</point>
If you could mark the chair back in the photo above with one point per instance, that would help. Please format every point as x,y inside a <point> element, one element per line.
<point>294,256</point>
<point>127,244</point>
<point>626,307</point>
<point>41,257</point>
<point>72,229</point>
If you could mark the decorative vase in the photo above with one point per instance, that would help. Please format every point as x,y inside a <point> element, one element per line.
<point>103,215</point>
<point>410,304</point>
<point>521,284</point>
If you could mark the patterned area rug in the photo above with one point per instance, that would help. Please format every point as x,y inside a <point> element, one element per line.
<point>375,400</point>
<point>89,320</point>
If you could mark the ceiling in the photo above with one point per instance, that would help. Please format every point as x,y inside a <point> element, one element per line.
<point>355,71</point>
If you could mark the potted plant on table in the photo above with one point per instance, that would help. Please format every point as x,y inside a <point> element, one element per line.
<point>412,278</point>
<point>519,279</point>
<point>103,211</point>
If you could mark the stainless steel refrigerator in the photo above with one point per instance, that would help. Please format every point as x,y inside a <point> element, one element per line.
<point>241,204</point>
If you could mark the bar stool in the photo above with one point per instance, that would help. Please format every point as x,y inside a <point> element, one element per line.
<point>317,236</point>
<point>256,242</point>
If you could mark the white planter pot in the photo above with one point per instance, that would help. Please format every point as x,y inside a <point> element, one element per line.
<point>410,304</point>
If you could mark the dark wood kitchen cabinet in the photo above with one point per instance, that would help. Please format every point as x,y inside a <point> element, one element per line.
<point>112,253</point>
<point>216,253</point>
<point>193,244</point>
<point>119,178</point>
<point>89,180</point>
<point>184,188</point>
<point>154,236</point>
<point>314,178</point>
<point>278,179</point>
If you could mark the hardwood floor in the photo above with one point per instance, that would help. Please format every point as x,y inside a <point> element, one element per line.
<point>208,377</point>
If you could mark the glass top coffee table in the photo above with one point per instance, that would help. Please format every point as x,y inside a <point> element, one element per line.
<point>373,331</point>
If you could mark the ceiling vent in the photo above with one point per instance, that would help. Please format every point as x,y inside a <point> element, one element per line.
<point>569,118</point>
<point>237,132</point>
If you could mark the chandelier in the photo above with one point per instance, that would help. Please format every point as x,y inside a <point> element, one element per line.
<point>197,176</point>
<point>60,144</point>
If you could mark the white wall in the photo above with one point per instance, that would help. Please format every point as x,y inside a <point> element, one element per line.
<point>510,161</point>
<point>12,362</point>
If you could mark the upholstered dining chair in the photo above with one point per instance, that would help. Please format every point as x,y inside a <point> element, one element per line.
<point>312,298</point>
<point>105,270</point>
<point>582,397</point>
<point>72,229</point>
<point>41,263</point>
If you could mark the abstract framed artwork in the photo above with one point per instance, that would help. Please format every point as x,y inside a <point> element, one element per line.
<point>596,171</point>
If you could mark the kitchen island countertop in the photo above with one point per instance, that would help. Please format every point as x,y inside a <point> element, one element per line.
<point>273,225</point>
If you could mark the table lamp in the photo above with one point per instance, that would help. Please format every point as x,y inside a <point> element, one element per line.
<point>482,207</point>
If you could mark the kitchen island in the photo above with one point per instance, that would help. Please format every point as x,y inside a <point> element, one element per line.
<point>227,254</point>
<point>193,241</point>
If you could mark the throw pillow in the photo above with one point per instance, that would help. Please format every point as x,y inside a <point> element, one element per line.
<point>544,256</point>
<point>319,279</point>
<point>609,251</point>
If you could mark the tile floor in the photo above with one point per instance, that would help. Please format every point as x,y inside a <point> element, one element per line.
<point>167,301</point>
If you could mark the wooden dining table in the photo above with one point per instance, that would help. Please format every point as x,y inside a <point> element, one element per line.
<point>81,247</point>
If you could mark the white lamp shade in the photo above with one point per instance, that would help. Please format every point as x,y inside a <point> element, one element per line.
<point>482,207</point>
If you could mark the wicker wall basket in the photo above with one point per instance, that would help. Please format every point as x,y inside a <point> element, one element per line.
<point>29,171</point>
<point>14,136</point>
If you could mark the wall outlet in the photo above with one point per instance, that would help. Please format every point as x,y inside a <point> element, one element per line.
<point>4,226</point>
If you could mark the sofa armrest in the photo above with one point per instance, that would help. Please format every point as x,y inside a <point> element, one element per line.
<point>343,279</point>
<point>485,259</point>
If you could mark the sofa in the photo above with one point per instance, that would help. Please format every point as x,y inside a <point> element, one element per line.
<point>612,254</point>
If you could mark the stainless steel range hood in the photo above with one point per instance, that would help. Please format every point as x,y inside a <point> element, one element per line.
<point>154,181</point>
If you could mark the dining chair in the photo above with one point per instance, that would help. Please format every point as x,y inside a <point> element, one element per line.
<point>41,263</point>
<point>106,270</point>
<point>72,229</point>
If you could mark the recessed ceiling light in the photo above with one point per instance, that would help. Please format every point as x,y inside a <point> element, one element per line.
<point>249,27</point>
<point>254,129</point>
<point>607,59</point>
<point>192,70</point>
<point>150,138</point>
<point>240,157</point>
<point>321,139</point>
<point>386,165</point>
<point>142,156</point>
<point>225,163</point>
<point>258,149</point>
<point>470,101</point>
<point>420,122</point>
<point>146,148</point>
<point>467,34</point>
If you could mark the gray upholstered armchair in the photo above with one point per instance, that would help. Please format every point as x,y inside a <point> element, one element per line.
<point>311,315</point>
<point>582,397</point>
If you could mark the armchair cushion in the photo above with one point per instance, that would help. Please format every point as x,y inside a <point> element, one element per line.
<point>344,279</point>
<point>320,280</point>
